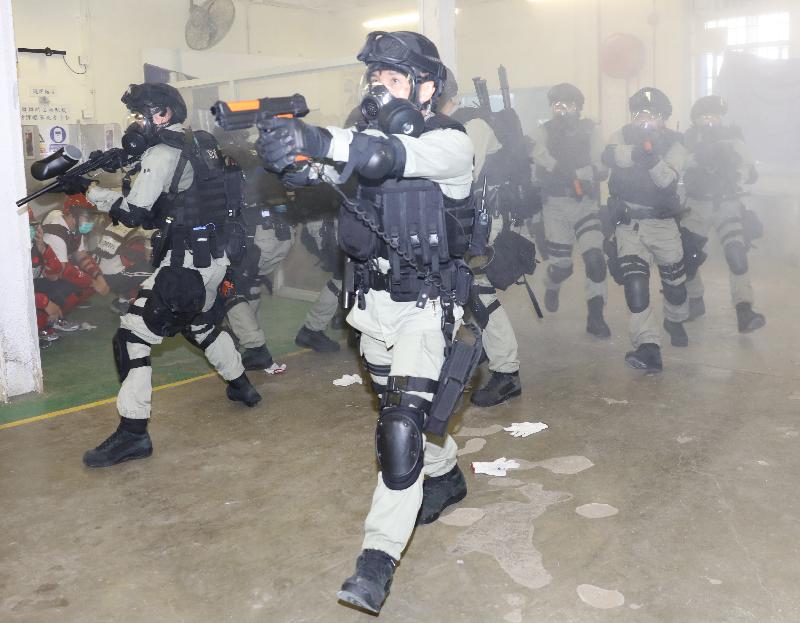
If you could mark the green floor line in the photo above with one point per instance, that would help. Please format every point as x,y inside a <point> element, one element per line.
<point>79,367</point>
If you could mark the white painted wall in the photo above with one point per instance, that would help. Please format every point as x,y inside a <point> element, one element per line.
<point>20,365</point>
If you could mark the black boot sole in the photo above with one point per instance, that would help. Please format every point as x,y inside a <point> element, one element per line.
<point>639,365</point>
<point>352,594</point>
<point>132,457</point>
<point>455,499</point>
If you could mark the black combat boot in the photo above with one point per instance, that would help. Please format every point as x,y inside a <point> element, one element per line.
<point>502,386</point>
<point>130,441</point>
<point>551,300</point>
<point>647,357</point>
<point>595,324</point>
<point>748,319</point>
<point>697,307</point>
<point>368,587</point>
<point>258,358</point>
<point>677,334</point>
<point>241,390</point>
<point>315,340</point>
<point>440,492</point>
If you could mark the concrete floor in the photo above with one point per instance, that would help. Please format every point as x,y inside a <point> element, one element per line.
<point>255,515</point>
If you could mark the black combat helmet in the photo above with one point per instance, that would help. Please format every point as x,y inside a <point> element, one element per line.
<point>709,105</point>
<point>652,100</point>
<point>149,98</point>
<point>410,52</point>
<point>567,93</point>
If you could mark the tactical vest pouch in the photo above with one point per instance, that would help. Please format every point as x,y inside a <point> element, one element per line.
<point>283,231</point>
<point>355,238</point>
<point>234,189</point>
<point>207,161</point>
<point>200,244</point>
<point>514,256</point>
<point>480,233</point>
<point>236,242</point>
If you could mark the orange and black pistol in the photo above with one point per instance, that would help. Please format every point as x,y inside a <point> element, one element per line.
<point>243,114</point>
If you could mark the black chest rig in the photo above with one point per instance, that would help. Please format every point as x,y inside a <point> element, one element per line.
<point>571,147</point>
<point>71,239</point>
<point>203,218</point>
<point>634,184</point>
<point>426,236</point>
<point>716,173</point>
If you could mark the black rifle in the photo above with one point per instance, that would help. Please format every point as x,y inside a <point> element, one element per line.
<point>63,166</point>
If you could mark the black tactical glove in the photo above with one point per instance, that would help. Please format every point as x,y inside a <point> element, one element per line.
<point>74,185</point>
<point>295,178</point>
<point>645,156</point>
<point>111,166</point>
<point>282,140</point>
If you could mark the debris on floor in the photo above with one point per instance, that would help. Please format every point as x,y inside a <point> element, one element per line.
<point>348,379</point>
<point>498,467</point>
<point>276,368</point>
<point>524,429</point>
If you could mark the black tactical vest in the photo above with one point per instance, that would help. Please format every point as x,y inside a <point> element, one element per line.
<point>715,174</point>
<point>416,216</point>
<point>419,221</point>
<point>634,184</point>
<point>202,217</point>
<point>572,149</point>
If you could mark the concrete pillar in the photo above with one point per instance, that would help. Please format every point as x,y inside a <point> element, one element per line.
<point>20,364</point>
<point>437,21</point>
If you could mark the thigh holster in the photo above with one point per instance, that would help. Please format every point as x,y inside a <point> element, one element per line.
<point>119,344</point>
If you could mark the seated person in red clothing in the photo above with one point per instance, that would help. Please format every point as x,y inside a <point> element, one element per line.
<point>81,277</point>
<point>46,267</point>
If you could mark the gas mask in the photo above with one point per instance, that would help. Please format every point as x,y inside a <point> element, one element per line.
<point>135,141</point>
<point>389,114</point>
<point>648,121</point>
<point>566,114</point>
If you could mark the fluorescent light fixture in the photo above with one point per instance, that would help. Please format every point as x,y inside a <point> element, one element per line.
<point>392,20</point>
<point>395,20</point>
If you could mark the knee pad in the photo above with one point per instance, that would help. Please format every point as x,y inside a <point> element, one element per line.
<point>559,274</point>
<point>595,264</point>
<point>119,345</point>
<point>399,446</point>
<point>736,256</point>
<point>636,279</point>
<point>675,295</point>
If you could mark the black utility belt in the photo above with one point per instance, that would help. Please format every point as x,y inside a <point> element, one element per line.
<point>644,213</point>
<point>453,280</point>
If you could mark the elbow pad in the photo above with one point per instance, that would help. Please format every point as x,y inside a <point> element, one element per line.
<point>377,157</point>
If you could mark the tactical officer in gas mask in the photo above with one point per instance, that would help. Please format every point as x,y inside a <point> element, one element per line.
<point>717,167</point>
<point>415,173</point>
<point>646,161</point>
<point>566,153</point>
<point>269,238</point>
<point>499,339</point>
<point>181,192</point>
